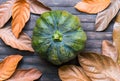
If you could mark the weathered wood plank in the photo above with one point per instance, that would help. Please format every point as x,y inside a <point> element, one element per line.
<point>87,18</point>
<point>93,43</point>
<point>99,35</point>
<point>55,3</point>
<point>2,1</point>
<point>86,26</point>
<point>91,27</point>
<point>63,3</point>
<point>87,21</point>
<point>48,74</point>
<point>96,50</point>
<point>83,18</point>
<point>69,9</point>
<point>6,50</point>
<point>89,44</point>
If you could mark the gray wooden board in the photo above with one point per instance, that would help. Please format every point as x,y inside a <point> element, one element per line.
<point>49,71</point>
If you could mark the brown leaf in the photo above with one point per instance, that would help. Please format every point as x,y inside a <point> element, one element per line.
<point>116,35</point>
<point>20,15</point>
<point>5,12</point>
<point>99,67</point>
<point>108,49</point>
<point>37,7</point>
<point>104,18</point>
<point>22,43</point>
<point>8,66</point>
<point>92,6</point>
<point>26,75</point>
<point>72,73</point>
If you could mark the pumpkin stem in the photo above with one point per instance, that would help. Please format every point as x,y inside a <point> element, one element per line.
<point>57,36</point>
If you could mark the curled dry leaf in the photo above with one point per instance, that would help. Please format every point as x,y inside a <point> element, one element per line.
<point>104,18</point>
<point>72,73</point>
<point>108,49</point>
<point>22,43</point>
<point>99,67</point>
<point>8,66</point>
<point>5,12</point>
<point>116,35</point>
<point>26,75</point>
<point>37,7</point>
<point>92,6</point>
<point>20,15</point>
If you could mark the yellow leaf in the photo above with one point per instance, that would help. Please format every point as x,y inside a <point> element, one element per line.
<point>8,66</point>
<point>92,6</point>
<point>20,15</point>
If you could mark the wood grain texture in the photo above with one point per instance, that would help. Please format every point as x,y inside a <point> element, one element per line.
<point>49,71</point>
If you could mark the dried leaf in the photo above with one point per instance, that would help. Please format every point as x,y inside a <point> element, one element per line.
<point>116,35</point>
<point>5,12</point>
<point>37,7</point>
<point>26,75</point>
<point>92,6</point>
<point>99,67</point>
<point>72,73</point>
<point>20,15</point>
<point>8,66</point>
<point>108,49</point>
<point>104,18</point>
<point>22,43</point>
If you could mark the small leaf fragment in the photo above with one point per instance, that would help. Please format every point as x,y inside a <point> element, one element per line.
<point>22,43</point>
<point>99,67</point>
<point>92,6</point>
<point>8,66</point>
<point>72,73</point>
<point>25,75</point>
<point>36,7</point>
<point>5,12</point>
<point>108,49</point>
<point>104,18</point>
<point>20,15</point>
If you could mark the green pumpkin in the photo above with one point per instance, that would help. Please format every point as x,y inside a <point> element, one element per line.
<point>58,36</point>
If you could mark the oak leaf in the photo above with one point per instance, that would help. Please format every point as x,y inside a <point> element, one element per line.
<point>99,67</point>
<point>92,6</point>
<point>108,49</point>
<point>8,66</point>
<point>5,12</point>
<point>20,15</point>
<point>22,43</point>
<point>116,35</point>
<point>72,73</point>
<point>104,18</point>
<point>25,75</point>
<point>37,7</point>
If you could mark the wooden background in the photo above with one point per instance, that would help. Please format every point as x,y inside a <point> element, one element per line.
<point>32,60</point>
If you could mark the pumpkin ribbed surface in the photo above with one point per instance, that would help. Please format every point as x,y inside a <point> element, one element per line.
<point>58,36</point>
